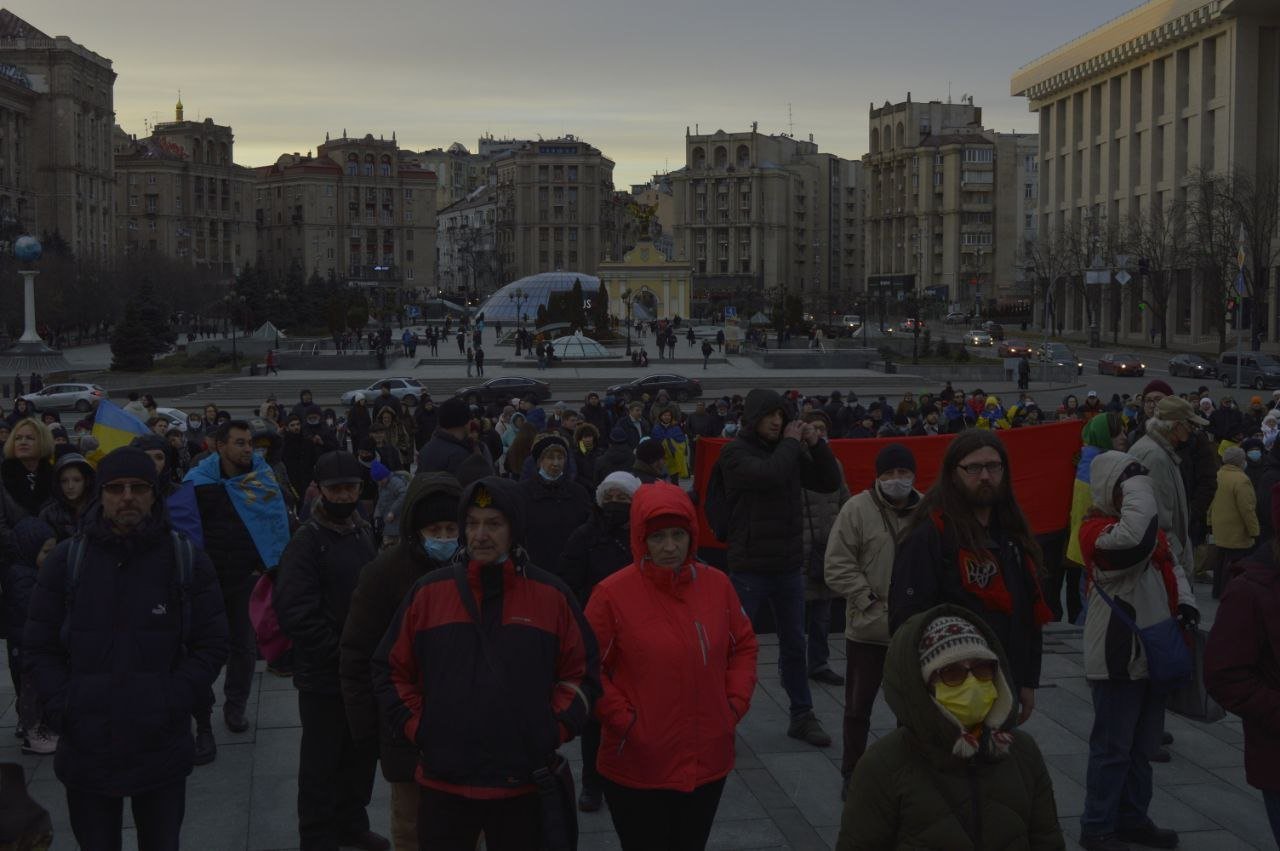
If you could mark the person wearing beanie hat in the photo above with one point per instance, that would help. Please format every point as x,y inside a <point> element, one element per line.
<point>159,451</point>
<point>945,680</point>
<point>318,573</point>
<point>619,455</point>
<point>556,505</point>
<point>428,541</point>
<point>651,461</point>
<point>452,443</point>
<point>392,488</point>
<point>541,664</point>
<point>73,493</point>
<point>666,775</point>
<point>129,619</point>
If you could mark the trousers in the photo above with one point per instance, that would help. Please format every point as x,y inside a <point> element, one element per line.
<point>785,593</point>
<point>335,774</point>
<point>404,816</point>
<point>863,674</point>
<point>1128,718</point>
<point>663,819</point>
<point>448,822</point>
<point>97,820</point>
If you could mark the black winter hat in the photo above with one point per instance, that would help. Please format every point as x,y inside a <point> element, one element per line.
<point>454,413</point>
<point>127,462</point>
<point>150,441</point>
<point>545,442</point>
<point>895,456</point>
<point>435,508</point>
<point>29,535</point>
<point>502,494</point>
<point>339,467</point>
<point>650,451</point>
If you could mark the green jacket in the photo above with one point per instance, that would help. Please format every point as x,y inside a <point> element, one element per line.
<point>910,790</point>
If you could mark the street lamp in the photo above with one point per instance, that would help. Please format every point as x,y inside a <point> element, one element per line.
<point>233,301</point>
<point>519,298</point>
<point>625,295</point>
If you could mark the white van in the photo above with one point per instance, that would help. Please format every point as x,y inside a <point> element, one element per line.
<point>851,320</point>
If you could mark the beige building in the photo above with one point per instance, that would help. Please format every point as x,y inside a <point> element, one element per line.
<point>1129,110</point>
<point>70,170</point>
<point>946,197</point>
<point>467,266</point>
<point>354,211</point>
<point>655,286</point>
<point>554,205</point>
<point>458,172</point>
<point>760,215</point>
<point>180,193</point>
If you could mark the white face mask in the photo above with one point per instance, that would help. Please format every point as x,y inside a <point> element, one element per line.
<point>897,489</point>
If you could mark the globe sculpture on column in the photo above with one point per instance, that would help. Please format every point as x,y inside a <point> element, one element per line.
<point>30,354</point>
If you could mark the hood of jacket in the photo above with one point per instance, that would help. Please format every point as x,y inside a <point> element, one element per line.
<point>759,403</point>
<point>909,697</point>
<point>1104,473</point>
<point>658,500</point>
<point>422,488</point>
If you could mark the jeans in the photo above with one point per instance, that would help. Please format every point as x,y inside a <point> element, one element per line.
<point>864,670</point>
<point>1128,718</point>
<point>651,819</point>
<point>453,823</point>
<point>335,774</point>
<point>243,656</point>
<point>817,624</point>
<point>97,819</point>
<point>785,593</point>
<point>1272,802</point>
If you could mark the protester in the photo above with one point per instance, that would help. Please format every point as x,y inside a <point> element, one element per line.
<point>318,572</point>
<point>1233,516</point>
<point>675,445</point>
<point>1101,434</point>
<point>512,693</point>
<point>772,459</point>
<point>970,544</point>
<point>34,541</point>
<point>819,511</point>
<point>859,567</point>
<point>1173,424</point>
<point>392,488</point>
<point>451,443</point>
<point>554,504</point>
<point>27,469</point>
<point>117,680</point>
<point>72,495</point>
<point>953,774</point>
<point>667,743</point>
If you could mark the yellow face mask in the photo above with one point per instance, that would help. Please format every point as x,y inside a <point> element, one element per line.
<point>969,702</point>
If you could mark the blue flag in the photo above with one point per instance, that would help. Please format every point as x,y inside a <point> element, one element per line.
<point>258,501</point>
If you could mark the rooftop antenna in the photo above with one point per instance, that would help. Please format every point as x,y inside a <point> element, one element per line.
<point>791,125</point>
<point>948,92</point>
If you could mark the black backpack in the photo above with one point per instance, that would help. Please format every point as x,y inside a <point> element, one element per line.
<point>716,504</point>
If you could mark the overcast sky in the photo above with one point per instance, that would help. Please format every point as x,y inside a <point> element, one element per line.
<point>628,78</point>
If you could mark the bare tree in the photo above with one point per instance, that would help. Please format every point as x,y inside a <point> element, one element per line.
<point>1212,232</point>
<point>1049,259</point>
<point>1158,238</point>
<point>1256,198</point>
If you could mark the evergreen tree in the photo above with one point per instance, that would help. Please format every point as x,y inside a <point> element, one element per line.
<point>131,343</point>
<point>576,312</point>
<point>158,333</point>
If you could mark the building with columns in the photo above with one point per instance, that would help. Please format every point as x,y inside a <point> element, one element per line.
<point>1129,111</point>
<point>658,288</point>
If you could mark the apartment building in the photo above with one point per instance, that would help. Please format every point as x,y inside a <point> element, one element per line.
<point>1129,111</point>
<point>17,194</point>
<point>466,247</point>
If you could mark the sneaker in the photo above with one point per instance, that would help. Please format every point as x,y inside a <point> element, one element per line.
<point>40,742</point>
<point>235,719</point>
<point>807,728</point>
<point>280,669</point>
<point>206,747</point>
<point>1103,842</point>
<point>1162,755</point>
<point>366,840</point>
<point>589,800</point>
<point>1149,836</point>
<point>827,677</point>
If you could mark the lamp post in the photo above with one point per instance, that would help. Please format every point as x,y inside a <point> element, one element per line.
<point>233,301</point>
<point>519,298</point>
<point>625,295</point>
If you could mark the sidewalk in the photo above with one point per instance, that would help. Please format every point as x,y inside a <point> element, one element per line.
<point>782,795</point>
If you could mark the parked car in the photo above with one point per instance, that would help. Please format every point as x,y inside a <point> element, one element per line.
<point>851,320</point>
<point>978,337</point>
<point>505,389</point>
<point>400,387</point>
<point>677,386</point>
<point>1121,363</point>
<point>1060,354</point>
<point>177,418</point>
<point>995,329</point>
<point>1256,369</point>
<point>1192,366</point>
<point>909,325</point>
<point>956,318</point>
<point>67,397</point>
<point>1014,349</point>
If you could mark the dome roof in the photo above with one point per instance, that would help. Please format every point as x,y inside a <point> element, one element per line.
<point>536,291</point>
<point>578,346</point>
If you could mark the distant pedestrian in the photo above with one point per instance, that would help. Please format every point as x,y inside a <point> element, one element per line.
<point>471,358</point>
<point>1024,373</point>
<point>706,353</point>
<point>720,340</point>
<point>462,342</point>
<point>479,357</point>
<point>272,368</point>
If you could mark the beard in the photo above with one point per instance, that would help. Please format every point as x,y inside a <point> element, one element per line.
<point>984,495</point>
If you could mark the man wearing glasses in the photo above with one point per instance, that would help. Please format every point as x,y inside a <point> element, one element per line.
<point>125,635</point>
<point>970,544</point>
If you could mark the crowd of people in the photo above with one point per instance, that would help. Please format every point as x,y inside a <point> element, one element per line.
<point>458,590</point>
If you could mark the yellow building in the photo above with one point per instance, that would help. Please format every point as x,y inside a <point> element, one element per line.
<point>659,288</point>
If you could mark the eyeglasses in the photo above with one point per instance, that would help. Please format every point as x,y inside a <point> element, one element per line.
<point>991,468</point>
<point>120,488</point>
<point>984,671</point>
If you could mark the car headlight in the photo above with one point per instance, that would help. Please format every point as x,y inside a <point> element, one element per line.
<point>1142,366</point>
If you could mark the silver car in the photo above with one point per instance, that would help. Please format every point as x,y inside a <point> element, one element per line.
<point>67,397</point>
<point>400,387</point>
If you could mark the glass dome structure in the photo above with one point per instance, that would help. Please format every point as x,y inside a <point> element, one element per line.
<point>535,290</point>
<point>577,347</point>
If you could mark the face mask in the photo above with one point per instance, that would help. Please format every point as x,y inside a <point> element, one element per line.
<point>1254,455</point>
<point>730,429</point>
<point>897,489</point>
<point>193,423</point>
<point>440,549</point>
<point>969,702</point>
<point>337,510</point>
<point>549,478</point>
<point>616,513</point>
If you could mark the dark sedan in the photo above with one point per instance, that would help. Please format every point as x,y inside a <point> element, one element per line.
<point>1192,366</point>
<point>1014,349</point>
<point>677,386</point>
<point>505,389</point>
<point>1121,363</point>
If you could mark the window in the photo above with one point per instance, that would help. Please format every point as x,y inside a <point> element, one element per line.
<point>978,155</point>
<point>573,172</point>
<point>1028,192</point>
<point>408,195</point>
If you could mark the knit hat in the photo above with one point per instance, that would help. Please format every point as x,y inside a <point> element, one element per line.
<point>620,480</point>
<point>650,451</point>
<point>949,639</point>
<point>547,441</point>
<point>895,456</point>
<point>127,462</point>
<point>1158,386</point>
<point>1235,456</point>
<point>618,436</point>
<point>501,494</point>
<point>379,471</point>
<point>1255,400</point>
<point>150,441</point>
<point>29,535</point>
<point>454,413</point>
<point>435,508</point>
<point>473,469</point>
<point>339,468</point>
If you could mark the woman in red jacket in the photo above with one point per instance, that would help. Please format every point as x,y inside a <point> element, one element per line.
<point>678,659</point>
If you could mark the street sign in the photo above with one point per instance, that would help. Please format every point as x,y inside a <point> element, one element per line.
<point>731,313</point>
<point>1123,277</point>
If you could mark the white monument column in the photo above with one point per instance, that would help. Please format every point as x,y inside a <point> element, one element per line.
<point>29,334</point>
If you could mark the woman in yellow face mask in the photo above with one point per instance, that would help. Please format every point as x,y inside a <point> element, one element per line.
<point>954,774</point>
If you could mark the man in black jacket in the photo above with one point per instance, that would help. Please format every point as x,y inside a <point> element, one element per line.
<point>318,573</point>
<point>124,637</point>
<point>764,470</point>
<point>451,444</point>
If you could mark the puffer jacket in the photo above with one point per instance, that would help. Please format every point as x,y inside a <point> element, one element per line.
<point>118,686</point>
<point>820,510</point>
<point>554,510</point>
<point>678,661</point>
<point>1128,557</point>
<point>911,791</point>
<point>762,485</point>
<point>317,576</point>
<point>594,552</point>
<point>382,587</point>
<point>859,561</point>
<point>1164,467</point>
<point>1233,514</point>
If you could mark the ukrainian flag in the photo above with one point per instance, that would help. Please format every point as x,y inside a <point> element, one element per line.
<point>113,427</point>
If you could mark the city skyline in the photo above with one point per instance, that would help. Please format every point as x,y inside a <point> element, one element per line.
<point>436,76</point>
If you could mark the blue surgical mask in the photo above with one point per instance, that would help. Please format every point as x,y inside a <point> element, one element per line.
<point>546,478</point>
<point>1254,455</point>
<point>440,549</point>
<point>730,429</point>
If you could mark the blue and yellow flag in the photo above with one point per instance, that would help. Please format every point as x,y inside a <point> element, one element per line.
<point>113,427</point>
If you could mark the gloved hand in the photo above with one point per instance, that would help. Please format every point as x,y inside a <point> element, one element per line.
<point>1188,616</point>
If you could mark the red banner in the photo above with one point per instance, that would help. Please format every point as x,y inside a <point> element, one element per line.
<point>1042,459</point>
